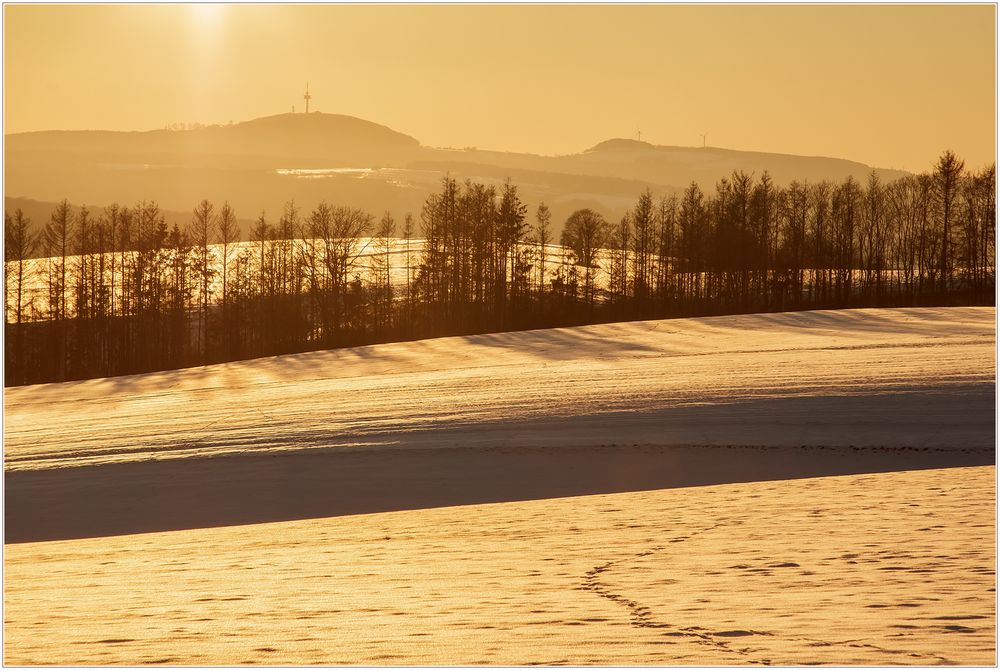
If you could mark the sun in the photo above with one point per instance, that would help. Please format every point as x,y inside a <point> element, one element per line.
<point>206,14</point>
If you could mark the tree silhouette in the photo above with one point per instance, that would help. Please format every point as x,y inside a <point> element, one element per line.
<point>947,174</point>
<point>584,234</point>
<point>120,292</point>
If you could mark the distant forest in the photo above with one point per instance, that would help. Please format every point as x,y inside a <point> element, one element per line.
<point>124,293</point>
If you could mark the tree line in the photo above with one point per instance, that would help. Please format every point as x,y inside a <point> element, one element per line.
<point>124,293</point>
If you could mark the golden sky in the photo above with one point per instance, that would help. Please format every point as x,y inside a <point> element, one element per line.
<point>891,86</point>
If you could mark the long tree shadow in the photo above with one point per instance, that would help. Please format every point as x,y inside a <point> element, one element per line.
<point>499,463</point>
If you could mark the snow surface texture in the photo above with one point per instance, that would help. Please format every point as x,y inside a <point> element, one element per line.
<point>921,377</point>
<point>880,569</point>
<point>805,378</point>
<point>876,569</point>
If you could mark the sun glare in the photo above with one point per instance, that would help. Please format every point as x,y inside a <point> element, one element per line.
<point>206,15</point>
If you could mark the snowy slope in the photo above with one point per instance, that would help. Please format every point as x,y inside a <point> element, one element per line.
<point>879,377</point>
<point>883,569</point>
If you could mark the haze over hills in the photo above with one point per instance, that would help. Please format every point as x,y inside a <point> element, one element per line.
<point>303,140</point>
<point>263,163</point>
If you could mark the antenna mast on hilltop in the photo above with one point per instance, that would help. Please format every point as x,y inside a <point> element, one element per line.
<point>703,136</point>
<point>307,97</point>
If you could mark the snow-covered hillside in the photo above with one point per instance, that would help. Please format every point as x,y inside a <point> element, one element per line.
<point>881,569</point>
<point>878,377</point>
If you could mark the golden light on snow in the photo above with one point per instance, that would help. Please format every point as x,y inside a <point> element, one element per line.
<point>873,569</point>
<point>777,379</point>
<point>878,569</point>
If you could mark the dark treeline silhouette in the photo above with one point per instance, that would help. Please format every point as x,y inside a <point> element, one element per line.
<point>121,293</point>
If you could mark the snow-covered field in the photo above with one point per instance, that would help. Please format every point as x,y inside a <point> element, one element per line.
<point>879,377</point>
<point>367,257</point>
<point>890,563</point>
<point>879,569</point>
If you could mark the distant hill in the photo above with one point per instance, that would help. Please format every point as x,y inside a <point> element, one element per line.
<point>298,140</point>
<point>263,163</point>
<point>706,165</point>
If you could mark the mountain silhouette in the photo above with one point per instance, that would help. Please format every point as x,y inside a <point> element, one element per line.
<point>263,163</point>
<point>267,141</point>
<point>706,165</point>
